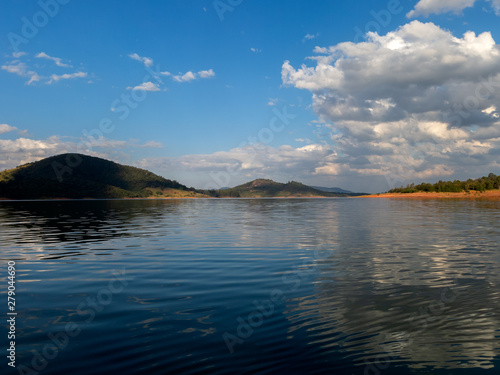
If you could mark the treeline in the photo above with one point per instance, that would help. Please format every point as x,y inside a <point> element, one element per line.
<point>491,182</point>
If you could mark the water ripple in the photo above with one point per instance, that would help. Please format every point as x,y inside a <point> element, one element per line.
<point>344,286</point>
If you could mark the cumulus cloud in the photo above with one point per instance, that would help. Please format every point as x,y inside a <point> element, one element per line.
<point>255,50</point>
<point>428,7</point>
<point>25,150</point>
<point>57,60</point>
<point>186,77</point>
<point>418,97</point>
<point>4,128</point>
<point>145,86</point>
<point>148,62</point>
<point>191,76</point>
<point>14,152</point>
<point>206,73</point>
<point>250,162</point>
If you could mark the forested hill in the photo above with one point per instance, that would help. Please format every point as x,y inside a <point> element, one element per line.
<point>265,188</point>
<point>491,182</point>
<point>82,176</point>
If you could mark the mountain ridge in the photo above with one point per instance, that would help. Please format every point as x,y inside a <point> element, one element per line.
<point>263,188</point>
<point>78,176</point>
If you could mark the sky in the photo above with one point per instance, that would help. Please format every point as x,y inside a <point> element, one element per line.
<point>365,95</point>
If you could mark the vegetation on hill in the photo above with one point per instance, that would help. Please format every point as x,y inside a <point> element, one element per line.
<point>491,182</point>
<point>265,188</point>
<point>76,176</point>
<point>82,176</point>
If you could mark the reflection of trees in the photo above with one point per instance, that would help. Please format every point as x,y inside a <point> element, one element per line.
<point>406,288</point>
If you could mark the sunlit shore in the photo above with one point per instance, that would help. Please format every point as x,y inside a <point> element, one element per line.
<point>489,194</point>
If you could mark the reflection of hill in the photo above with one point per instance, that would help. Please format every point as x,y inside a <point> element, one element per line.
<point>74,223</point>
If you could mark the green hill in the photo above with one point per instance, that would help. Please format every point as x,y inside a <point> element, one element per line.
<point>268,188</point>
<point>82,176</point>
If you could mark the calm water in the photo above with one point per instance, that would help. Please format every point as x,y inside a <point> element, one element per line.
<point>270,286</point>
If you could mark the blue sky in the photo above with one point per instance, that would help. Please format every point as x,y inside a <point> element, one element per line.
<point>364,95</point>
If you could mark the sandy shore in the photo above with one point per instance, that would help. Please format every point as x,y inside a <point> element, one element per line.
<point>489,195</point>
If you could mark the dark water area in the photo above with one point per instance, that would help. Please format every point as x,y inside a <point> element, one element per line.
<point>246,286</point>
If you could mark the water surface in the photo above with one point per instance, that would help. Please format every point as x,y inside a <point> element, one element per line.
<point>292,286</point>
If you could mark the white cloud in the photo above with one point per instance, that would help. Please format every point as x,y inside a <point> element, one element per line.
<point>272,101</point>
<point>251,162</point>
<point>428,7</point>
<point>303,140</point>
<point>145,86</point>
<point>189,76</point>
<point>152,144</point>
<point>148,62</point>
<point>18,54</point>
<point>310,37</point>
<point>496,6</point>
<point>34,78</point>
<point>4,128</point>
<point>56,78</point>
<point>16,67</point>
<point>206,73</point>
<point>24,150</point>
<point>25,144</point>
<point>395,102</point>
<point>57,60</point>
<point>255,50</point>
<point>22,70</point>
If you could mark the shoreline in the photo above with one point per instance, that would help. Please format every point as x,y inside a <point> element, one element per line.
<point>161,198</point>
<point>487,195</point>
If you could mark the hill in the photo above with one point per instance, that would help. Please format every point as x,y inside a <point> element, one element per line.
<point>268,188</point>
<point>333,190</point>
<point>81,176</point>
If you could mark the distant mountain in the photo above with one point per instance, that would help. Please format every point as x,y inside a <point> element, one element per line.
<point>82,176</point>
<point>269,188</point>
<point>333,190</point>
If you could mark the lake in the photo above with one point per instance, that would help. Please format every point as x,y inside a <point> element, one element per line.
<point>246,286</point>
